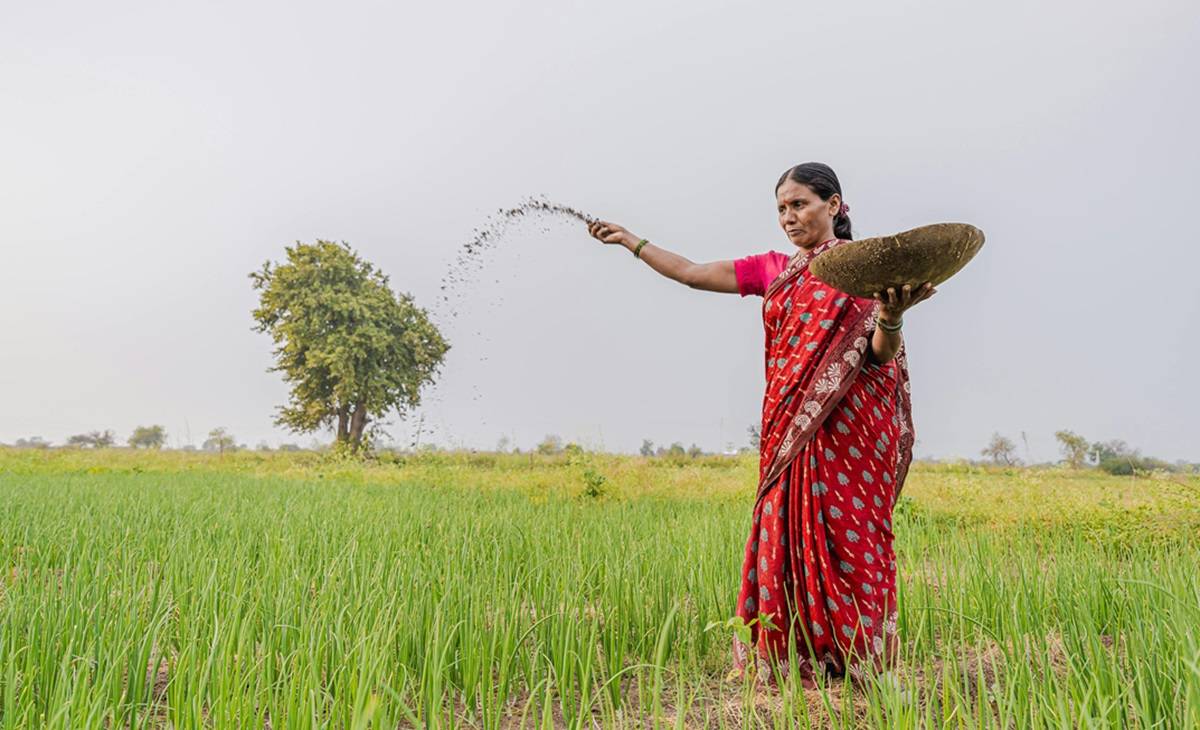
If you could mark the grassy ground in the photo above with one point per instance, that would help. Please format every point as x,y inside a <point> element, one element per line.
<point>284,590</point>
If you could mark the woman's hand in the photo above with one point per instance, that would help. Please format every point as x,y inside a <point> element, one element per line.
<point>607,232</point>
<point>886,341</point>
<point>894,302</point>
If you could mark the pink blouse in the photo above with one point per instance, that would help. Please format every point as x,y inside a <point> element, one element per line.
<point>755,273</point>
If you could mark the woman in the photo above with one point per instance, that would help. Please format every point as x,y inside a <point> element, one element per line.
<point>819,575</point>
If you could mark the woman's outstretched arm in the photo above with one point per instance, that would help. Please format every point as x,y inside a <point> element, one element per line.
<point>716,276</point>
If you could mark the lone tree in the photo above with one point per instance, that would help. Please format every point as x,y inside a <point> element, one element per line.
<point>148,437</point>
<point>220,440</point>
<point>1001,450</point>
<point>350,349</point>
<point>1073,446</point>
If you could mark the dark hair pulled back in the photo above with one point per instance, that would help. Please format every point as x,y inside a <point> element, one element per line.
<point>824,182</point>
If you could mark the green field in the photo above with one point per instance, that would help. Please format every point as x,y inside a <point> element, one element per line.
<point>284,590</point>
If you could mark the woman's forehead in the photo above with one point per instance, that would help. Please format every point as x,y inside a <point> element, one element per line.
<point>791,191</point>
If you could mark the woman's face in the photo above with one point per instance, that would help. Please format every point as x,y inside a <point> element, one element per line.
<point>804,217</point>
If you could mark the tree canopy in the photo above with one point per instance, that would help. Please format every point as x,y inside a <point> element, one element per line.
<point>219,440</point>
<point>148,437</point>
<point>350,349</point>
<point>1073,446</point>
<point>1001,450</point>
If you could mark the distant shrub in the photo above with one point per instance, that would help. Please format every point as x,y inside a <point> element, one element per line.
<point>552,444</point>
<point>94,439</point>
<point>1118,458</point>
<point>1132,464</point>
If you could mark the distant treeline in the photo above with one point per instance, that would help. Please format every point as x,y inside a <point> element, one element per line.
<point>1113,456</point>
<point>219,440</point>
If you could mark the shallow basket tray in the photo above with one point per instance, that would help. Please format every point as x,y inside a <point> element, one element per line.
<point>930,253</point>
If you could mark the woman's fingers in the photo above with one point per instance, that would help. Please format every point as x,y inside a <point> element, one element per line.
<point>925,291</point>
<point>605,232</point>
<point>904,297</point>
<point>897,300</point>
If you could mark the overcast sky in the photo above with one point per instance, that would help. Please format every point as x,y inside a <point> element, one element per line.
<point>155,153</point>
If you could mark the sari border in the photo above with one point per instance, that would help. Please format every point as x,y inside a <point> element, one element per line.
<point>831,385</point>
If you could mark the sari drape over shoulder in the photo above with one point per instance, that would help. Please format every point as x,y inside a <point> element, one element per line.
<point>837,438</point>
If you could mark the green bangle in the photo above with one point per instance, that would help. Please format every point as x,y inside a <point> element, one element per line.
<point>637,250</point>
<point>890,328</point>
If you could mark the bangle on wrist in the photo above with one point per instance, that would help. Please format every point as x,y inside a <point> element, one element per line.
<point>891,329</point>
<point>637,250</point>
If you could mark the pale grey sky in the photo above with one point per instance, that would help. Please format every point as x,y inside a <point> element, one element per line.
<point>155,153</point>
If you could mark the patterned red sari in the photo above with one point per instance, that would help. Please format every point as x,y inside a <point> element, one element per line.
<point>837,438</point>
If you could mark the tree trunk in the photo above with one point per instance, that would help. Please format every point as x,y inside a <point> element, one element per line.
<point>343,430</point>
<point>358,424</point>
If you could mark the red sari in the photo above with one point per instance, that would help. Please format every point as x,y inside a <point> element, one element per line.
<point>837,439</point>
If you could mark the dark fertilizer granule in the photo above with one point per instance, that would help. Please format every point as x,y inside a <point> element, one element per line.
<point>469,260</point>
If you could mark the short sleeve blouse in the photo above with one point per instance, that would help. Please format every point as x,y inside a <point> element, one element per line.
<point>755,273</point>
